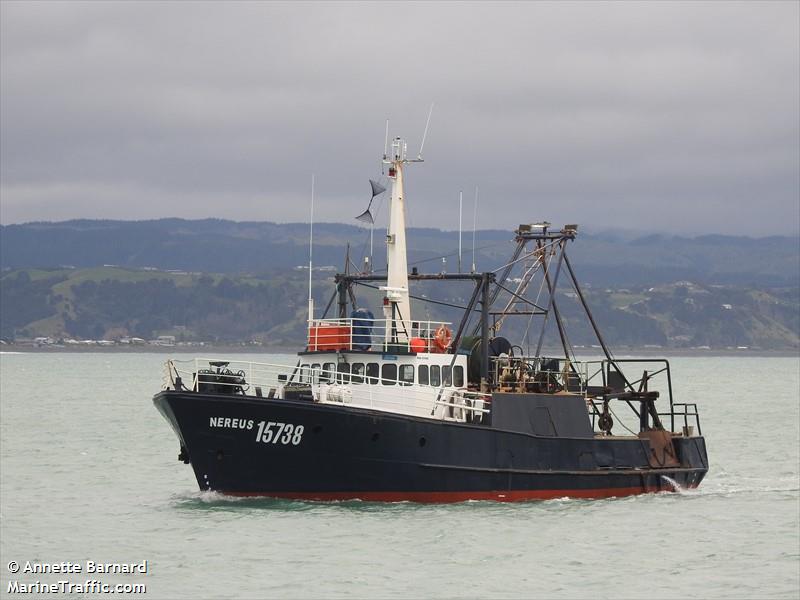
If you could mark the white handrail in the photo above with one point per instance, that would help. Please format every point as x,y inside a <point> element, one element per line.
<point>342,334</point>
<point>262,379</point>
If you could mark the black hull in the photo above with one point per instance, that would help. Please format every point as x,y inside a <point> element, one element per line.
<point>347,453</point>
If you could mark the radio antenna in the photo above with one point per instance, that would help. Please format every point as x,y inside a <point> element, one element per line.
<point>310,254</point>
<point>460,211</point>
<point>385,148</point>
<point>425,133</point>
<point>474,225</point>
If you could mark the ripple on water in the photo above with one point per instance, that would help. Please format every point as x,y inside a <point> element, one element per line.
<point>88,472</point>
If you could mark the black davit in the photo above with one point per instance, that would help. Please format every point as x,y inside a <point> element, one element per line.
<point>395,408</point>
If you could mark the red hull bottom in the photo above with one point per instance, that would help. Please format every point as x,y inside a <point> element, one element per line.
<point>448,497</point>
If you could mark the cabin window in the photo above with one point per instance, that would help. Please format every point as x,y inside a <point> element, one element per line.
<point>389,374</point>
<point>358,372</point>
<point>315,373</point>
<point>344,372</point>
<point>304,375</point>
<point>406,374</point>
<point>458,376</point>
<point>435,376</point>
<point>372,372</point>
<point>328,372</point>
<point>422,375</point>
<point>447,376</point>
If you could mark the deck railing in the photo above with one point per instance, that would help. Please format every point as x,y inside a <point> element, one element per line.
<point>273,381</point>
<point>687,410</point>
<point>371,334</point>
<point>596,380</point>
<point>590,379</point>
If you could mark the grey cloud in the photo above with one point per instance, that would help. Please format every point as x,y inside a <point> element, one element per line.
<point>655,116</point>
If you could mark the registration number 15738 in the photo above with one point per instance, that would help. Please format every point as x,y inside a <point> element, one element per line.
<point>275,432</point>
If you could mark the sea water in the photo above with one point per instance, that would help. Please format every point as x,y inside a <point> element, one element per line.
<point>89,472</point>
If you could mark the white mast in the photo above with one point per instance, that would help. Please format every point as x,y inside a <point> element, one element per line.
<point>371,254</point>
<point>310,255</point>
<point>397,307</point>
<point>474,225</point>
<point>460,207</point>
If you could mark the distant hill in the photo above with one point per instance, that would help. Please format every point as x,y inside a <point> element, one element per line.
<point>217,280</point>
<point>113,302</point>
<point>219,246</point>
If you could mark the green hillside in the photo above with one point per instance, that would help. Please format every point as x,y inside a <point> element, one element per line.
<point>218,246</point>
<point>111,303</point>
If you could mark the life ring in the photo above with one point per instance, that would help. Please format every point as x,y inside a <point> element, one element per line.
<point>443,337</point>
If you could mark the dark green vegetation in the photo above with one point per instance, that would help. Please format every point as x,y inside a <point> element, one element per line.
<point>109,303</point>
<point>222,281</point>
<point>217,246</point>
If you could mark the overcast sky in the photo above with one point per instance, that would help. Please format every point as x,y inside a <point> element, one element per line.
<point>654,116</point>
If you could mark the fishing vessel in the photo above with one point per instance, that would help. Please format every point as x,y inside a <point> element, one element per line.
<point>394,408</point>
